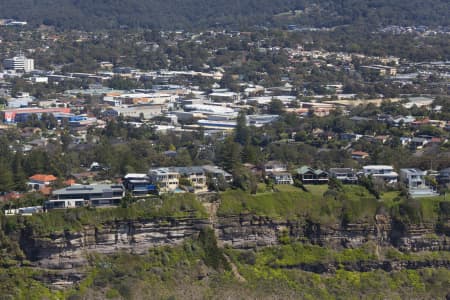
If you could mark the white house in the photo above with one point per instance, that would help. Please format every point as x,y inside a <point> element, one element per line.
<point>384,172</point>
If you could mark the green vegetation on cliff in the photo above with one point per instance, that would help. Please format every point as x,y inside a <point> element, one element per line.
<point>173,206</point>
<point>190,271</point>
<point>344,204</point>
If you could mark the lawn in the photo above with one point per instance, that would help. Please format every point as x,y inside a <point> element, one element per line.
<point>292,203</point>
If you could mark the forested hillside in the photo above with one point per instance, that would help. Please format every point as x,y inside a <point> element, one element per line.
<point>186,14</point>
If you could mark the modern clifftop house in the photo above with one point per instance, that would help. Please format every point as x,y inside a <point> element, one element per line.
<point>282,177</point>
<point>215,173</point>
<point>195,175</point>
<point>384,172</point>
<point>138,184</point>
<point>346,175</point>
<point>275,166</point>
<point>415,180</point>
<point>166,179</point>
<point>100,195</point>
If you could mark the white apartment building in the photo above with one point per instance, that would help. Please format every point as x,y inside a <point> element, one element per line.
<point>19,63</point>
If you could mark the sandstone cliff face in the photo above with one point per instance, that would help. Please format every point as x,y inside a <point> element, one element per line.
<point>248,231</point>
<point>65,254</point>
<point>68,250</point>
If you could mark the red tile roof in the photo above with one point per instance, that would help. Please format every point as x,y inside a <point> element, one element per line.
<point>43,177</point>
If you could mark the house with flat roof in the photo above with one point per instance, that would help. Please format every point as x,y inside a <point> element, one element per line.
<point>166,179</point>
<point>384,172</point>
<point>96,195</point>
<point>195,175</point>
<point>275,166</point>
<point>215,173</point>
<point>346,175</point>
<point>138,185</point>
<point>415,180</point>
<point>444,176</point>
<point>282,177</point>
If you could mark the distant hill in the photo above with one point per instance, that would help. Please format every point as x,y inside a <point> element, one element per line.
<point>188,14</point>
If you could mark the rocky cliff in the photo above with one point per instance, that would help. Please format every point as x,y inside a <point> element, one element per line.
<point>65,254</point>
<point>249,231</point>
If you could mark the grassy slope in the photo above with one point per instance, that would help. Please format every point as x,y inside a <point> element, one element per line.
<point>353,204</point>
<point>288,202</point>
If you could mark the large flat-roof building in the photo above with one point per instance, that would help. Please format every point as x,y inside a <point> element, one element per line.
<point>99,195</point>
<point>19,63</point>
<point>19,115</point>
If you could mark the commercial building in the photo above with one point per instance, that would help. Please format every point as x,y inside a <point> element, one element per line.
<point>138,98</point>
<point>19,115</point>
<point>145,111</point>
<point>19,63</point>
<point>100,195</point>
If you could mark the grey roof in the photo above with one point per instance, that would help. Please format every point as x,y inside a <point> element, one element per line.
<point>413,171</point>
<point>88,189</point>
<point>188,170</point>
<point>215,170</point>
<point>341,170</point>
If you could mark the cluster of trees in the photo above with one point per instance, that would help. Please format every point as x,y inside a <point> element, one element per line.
<point>174,14</point>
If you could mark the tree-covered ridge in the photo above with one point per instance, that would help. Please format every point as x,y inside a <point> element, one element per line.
<point>185,14</point>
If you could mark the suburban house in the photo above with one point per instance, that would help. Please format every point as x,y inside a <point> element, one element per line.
<point>215,173</point>
<point>138,184</point>
<point>415,180</point>
<point>418,142</point>
<point>38,182</point>
<point>167,180</point>
<point>346,175</point>
<point>282,177</point>
<point>444,176</point>
<point>275,166</point>
<point>309,175</point>
<point>99,195</point>
<point>350,137</point>
<point>195,175</point>
<point>384,172</point>
<point>358,155</point>
<point>278,172</point>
